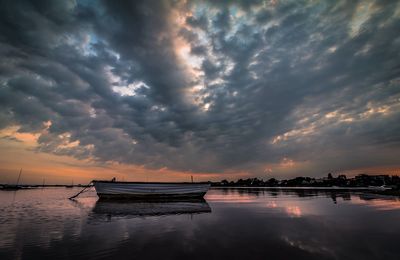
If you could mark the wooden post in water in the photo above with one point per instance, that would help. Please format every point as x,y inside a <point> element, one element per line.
<point>191,177</point>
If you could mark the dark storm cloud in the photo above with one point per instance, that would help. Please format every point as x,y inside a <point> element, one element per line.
<point>205,86</point>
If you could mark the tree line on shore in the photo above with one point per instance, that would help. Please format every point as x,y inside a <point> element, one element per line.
<point>361,180</point>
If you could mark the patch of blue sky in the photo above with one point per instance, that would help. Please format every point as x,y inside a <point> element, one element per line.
<point>87,46</point>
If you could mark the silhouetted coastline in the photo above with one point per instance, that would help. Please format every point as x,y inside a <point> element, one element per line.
<point>34,186</point>
<point>381,184</point>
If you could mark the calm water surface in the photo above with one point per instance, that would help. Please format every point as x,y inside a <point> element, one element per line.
<point>234,223</point>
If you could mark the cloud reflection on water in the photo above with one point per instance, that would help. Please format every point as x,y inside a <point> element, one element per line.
<point>242,224</point>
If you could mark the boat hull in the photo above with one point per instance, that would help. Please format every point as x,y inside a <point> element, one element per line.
<point>142,190</point>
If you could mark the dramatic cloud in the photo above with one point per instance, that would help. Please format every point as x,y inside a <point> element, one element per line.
<point>206,86</point>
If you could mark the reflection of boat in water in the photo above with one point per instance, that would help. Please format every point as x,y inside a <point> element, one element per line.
<point>150,190</point>
<point>126,208</point>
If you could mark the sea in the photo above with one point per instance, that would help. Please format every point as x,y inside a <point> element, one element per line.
<point>239,223</point>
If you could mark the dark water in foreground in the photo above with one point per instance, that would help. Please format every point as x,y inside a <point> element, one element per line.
<point>230,224</point>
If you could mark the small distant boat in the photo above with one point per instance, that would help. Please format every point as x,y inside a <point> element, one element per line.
<point>11,187</point>
<point>150,190</point>
<point>70,186</point>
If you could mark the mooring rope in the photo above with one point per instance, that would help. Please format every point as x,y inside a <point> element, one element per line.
<point>76,195</point>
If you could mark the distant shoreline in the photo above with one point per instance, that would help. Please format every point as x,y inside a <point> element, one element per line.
<point>300,188</point>
<point>374,190</point>
<point>27,186</point>
<point>224,187</point>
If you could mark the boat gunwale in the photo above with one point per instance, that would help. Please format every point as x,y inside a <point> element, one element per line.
<point>138,182</point>
<point>153,197</point>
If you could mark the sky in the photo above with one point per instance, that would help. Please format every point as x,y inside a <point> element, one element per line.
<point>162,90</point>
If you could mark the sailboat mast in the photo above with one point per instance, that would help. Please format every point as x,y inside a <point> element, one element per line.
<point>19,176</point>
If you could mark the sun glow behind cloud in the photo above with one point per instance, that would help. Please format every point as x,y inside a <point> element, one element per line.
<point>19,151</point>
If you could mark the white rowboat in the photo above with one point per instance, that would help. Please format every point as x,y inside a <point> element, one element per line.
<point>150,190</point>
